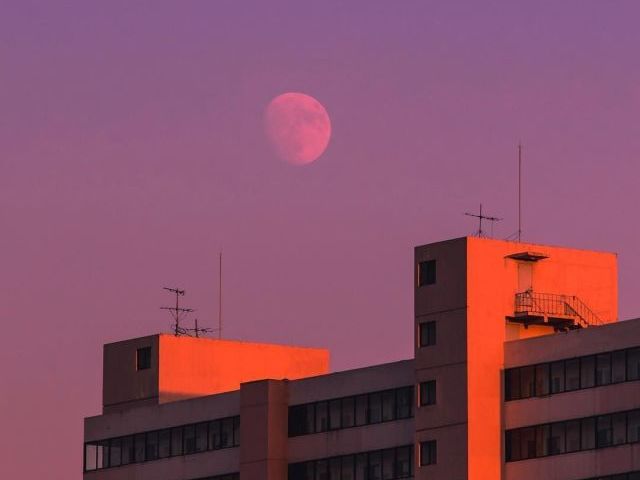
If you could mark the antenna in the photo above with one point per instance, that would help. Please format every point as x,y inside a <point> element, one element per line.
<point>220,295</point>
<point>177,312</point>
<point>197,331</point>
<point>482,217</point>
<point>519,191</point>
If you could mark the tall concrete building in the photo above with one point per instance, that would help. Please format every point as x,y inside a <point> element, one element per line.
<point>521,371</point>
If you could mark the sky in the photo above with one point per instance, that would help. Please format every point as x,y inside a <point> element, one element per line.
<point>132,151</point>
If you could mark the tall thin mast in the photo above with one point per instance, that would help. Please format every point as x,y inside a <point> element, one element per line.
<point>519,192</point>
<point>220,295</point>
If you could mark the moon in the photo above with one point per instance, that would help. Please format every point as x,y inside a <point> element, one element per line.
<point>298,127</point>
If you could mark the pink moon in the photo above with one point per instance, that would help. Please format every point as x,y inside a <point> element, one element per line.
<point>298,127</point>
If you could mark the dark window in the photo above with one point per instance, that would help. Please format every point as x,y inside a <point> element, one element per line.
<point>512,384</point>
<point>557,377</point>
<point>428,393</point>
<point>604,432</point>
<point>588,433</point>
<point>619,428</point>
<point>404,463</point>
<point>572,374</point>
<point>375,408</point>
<point>201,437</point>
<point>427,273</point>
<point>361,409</point>
<point>226,433</point>
<point>512,445</point>
<point>299,420</point>
<point>427,334</point>
<point>587,371</point>
<point>143,358</point>
<point>428,453</point>
<point>388,405</point>
<point>151,452</point>
<point>189,439</point>
<point>543,432</point>
<point>542,379</point>
<point>572,432</point>
<point>527,382</point>
<point>164,443</point>
<point>115,452</point>
<point>633,426</point>
<point>618,366</point>
<point>322,417</point>
<point>633,364</point>
<point>557,439</point>
<point>348,412</point>
<point>603,369</point>
<point>176,441</point>
<point>334,414</point>
<point>404,402</point>
<point>140,442</point>
<point>128,450</point>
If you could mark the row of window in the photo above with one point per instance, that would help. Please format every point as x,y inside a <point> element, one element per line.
<point>572,374</point>
<point>619,476</point>
<point>170,442</point>
<point>573,435</point>
<point>354,411</point>
<point>388,464</point>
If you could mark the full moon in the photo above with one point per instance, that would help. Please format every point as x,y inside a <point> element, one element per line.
<point>298,127</point>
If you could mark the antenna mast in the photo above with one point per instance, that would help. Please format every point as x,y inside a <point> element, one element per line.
<point>519,191</point>
<point>220,296</point>
<point>177,312</point>
<point>482,217</point>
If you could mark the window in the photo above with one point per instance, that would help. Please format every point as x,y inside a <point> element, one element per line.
<point>633,364</point>
<point>427,334</point>
<point>603,369</point>
<point>527,382</point>
<point>169,442</point>
<point>569,436</point>
<point>542,379</point>
<point>388,464</point>
<point>426,273</point>
<point>587,371</point>
<point>353,411</point>
<point>428,453</point>
<point>428,393</point>
<point>618,366</point>
<point>557,377</point>
<point>572,374</point>
<point>143,358</point>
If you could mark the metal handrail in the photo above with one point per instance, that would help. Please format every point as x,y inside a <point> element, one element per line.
<point>545,304</point>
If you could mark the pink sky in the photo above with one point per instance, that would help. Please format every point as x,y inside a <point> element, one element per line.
<point>132,150</point>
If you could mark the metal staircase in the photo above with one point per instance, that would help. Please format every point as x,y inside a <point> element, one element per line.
<point>563,312</point>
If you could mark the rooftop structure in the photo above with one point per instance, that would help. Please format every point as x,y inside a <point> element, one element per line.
<point>520,371</point>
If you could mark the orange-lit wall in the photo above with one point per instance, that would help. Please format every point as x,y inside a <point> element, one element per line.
<point>191,367</point>
<point>186,367</point>
<point>473,294</point>
<point>492,282</point>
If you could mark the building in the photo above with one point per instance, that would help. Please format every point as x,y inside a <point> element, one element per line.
<point>520,371</point>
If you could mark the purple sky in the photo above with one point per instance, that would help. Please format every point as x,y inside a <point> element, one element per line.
<point>132,150</point>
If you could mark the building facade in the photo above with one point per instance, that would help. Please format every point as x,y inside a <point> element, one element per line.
<point>520,371</point>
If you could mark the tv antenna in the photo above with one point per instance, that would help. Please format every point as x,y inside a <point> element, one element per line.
<point>519,191</point>
<point>481,216</point>
<point>220,296</point>
<point>178,312</point>
<point>197,330</point>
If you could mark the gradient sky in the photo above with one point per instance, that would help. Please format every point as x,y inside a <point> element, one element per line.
<point>132,151</point>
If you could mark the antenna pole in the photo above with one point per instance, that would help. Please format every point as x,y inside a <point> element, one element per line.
<point>220,295</point>
<point>519,191</point>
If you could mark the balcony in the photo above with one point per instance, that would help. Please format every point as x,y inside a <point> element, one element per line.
<point>562,312</point>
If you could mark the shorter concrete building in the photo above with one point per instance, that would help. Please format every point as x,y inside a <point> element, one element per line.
<point>520,371</point>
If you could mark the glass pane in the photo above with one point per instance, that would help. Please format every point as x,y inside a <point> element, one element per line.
<point>604,433</point>
<point>164,445</point>
<point>527,443</point>
<point>572,374</point>
<point>322,470</point>
<point>619,427</point>
<point>527,382</point>
<point>375,408</point>
<point>152,446</point>
<point>139,445</point>
<point>236,431</point>
<point>557,440</point>
<point>348,411</point>
<point>189,440</point>
<point>603,369</point>
<point>543,432</point>
<point>388,405</point>
<point>201,437</point>
<point>588,433</point>
<point>512,384</point>
<point>572,432</point>
<point>334,468</point>
<point>90,457</point>
<point>322,417</point>
<point>375,466</point>
<point>128,450</point>
<point>215,440</point>
<point>542,379</point>
<point>404,402</point>
<point>633,426</point>
<point>557,377</point>
<point>619,366</point>
<point>176,441</point>
<point>115,452</point>
<point>361,410</point>
<point>226,433</point>
<point>587,371</point>
<point>102,459</point>
<point>388,458</point>
<point>404,462</point>
<point>298,420</point>
<point>512,445</point>
<point>633,364</point>
<point>334,414</point>
<point>361,466</point>
<point>348,467</point>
